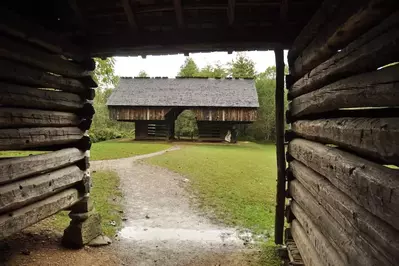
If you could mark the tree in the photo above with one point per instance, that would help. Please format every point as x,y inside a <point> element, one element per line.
<point>104,73</point>
<point>242,67</point>
<point>188,69</point>
<point>216,71</point>
<point>142,74</point>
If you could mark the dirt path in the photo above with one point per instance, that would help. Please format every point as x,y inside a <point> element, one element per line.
<point>162,227</point>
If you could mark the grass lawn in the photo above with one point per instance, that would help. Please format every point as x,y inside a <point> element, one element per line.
<point>236,183</point>
<point>106,197</point>
<point>106,150</point>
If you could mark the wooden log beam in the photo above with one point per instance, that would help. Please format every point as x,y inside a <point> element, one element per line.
<point>374,49</point>
<point>357,251</point>
<point>13,95</point>
<point>25,138</point>
<point>16,168</point>
<point>26,53</point>
<point>370,185</point>
<point>353,19</point>
<point>357,221</point>
<point>21,74</point>
<point>130,15</point>
<point>375,138</point>
<point>231,11</point>
<point>375,89</point>
<point>326,251</point>
<point>179,13</point>
<point>280,152</point>
<point>26,191</point>
<point>17,26</point>
<point>15,221</point>
<point>324,14</point>
<point>305,247</point>
<point>18,117</point>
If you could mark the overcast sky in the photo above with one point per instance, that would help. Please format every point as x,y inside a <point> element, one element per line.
<point>169,65</point>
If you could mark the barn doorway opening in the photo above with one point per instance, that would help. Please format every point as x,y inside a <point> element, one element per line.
<point>186,127</point>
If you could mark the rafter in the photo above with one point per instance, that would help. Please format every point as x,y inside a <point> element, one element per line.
<point>129,14</point>
<point>78,14</point>
<point>284,11</point>
<point>231,11</point>
<point>179,13</point>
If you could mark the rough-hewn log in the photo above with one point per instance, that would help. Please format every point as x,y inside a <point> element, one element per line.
<point>349,215</point>
<point>376,48</point>
<point>280,152</point>
<point>20,167</point>
<point>375,138</point>
<point>353,19</point>
<point>326,251</point>
<point>357,251</point>
<point>12,95</point>
<point>17,26</point>
<point>26,191</point>
<point>18,117</point>
<point>22,74</point>
<point>28,54</point>
<point>375,89</point>
<point>25,138</point>
<point>15,221</point>
<point>305,247</point>
<point>370,185</point>
<point>324,14</point>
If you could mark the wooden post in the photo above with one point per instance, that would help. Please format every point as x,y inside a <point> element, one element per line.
<point>280,124</point>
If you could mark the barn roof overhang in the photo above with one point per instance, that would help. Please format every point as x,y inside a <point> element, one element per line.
<point>141,27</point>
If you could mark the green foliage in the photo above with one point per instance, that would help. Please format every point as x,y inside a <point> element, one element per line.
<point>216,71</point>
<point>186,125</point>
<point>242,67</point>
<point>188,69</point>
<point>143,74</point>
<point>103,128</point>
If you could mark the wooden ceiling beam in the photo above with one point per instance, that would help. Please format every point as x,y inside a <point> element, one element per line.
<point>284,11</point>
<point>231,11</point>
<point>130,15</point>
<point>78,14</point>
<point>179,13</point>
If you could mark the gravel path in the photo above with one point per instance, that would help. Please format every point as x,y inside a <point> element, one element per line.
<point>162,228</point>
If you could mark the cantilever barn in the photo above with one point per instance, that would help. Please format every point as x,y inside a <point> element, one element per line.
<point>155,103</point>
<point>342,142</point>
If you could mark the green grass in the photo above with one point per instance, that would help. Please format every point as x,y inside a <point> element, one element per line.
<point>236,183</point>
<point>123,148</point>
<point>107,150</point>
<point>106,197</point>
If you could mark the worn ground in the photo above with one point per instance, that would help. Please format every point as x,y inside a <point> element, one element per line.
<point>161,227</point>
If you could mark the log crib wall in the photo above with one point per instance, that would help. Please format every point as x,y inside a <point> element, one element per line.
<point>344,138</point>
<point>45,104</point>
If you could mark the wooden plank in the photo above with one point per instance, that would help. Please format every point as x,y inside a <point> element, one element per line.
<point>130,15</point>
<point>375,138</point>
<point>26,191</point>
<point>20,167</point>
<point>375,89</point>
<point>308,253</point>
<point>376,48</point>
<point>370,185</point>
<point>324,14</point>
<point>280,153</point>
<point>25,138</point>
<point>13,95</point>
<point>17,26</point>
<point>357,221</point>
<point>179,13</point>
<point>28,54</point>
<point>18,117</point>
<point>15,221</point>
<point>352,19</point>
<point>328,254</point>
<point>231,11</point>
<point>21,74</point>
<point>357,251</point>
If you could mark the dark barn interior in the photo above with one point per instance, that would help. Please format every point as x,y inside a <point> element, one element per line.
<point>343,137</point>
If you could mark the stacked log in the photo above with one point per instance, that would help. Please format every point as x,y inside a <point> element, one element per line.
<point>344,135</point>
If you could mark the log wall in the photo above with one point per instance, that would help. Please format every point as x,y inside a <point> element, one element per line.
<point>45,104</point>
<point>343,143</point>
